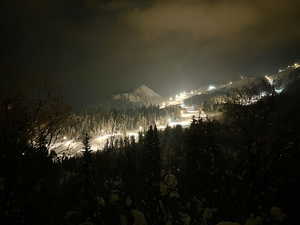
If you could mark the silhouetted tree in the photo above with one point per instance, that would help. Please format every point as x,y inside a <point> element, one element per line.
<point>88,182</point>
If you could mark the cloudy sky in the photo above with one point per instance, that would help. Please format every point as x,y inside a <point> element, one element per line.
<point>87,50</point>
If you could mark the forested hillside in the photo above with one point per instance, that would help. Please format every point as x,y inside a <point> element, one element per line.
<point>244,169</point>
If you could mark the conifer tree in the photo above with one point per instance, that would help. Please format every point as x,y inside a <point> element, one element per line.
<point>88,182</point>
<point>151,158</point>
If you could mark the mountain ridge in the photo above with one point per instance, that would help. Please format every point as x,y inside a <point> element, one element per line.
<point>142,95</point>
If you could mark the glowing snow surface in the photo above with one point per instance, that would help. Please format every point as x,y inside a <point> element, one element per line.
<point>279,90</point>
<point>72,147</point>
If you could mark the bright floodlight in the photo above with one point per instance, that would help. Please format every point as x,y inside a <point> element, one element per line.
<point>211,87</point>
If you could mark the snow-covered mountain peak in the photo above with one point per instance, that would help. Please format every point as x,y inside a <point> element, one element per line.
<point>142,94</point>
<point>143,90</point>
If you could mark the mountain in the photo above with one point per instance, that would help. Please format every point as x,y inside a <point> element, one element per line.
<point>248,89</point>
<point>244,88</point>
<point>285,78</point>
<point>141,95</point>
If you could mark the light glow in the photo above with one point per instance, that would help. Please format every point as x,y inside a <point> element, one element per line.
<point>211,87</point>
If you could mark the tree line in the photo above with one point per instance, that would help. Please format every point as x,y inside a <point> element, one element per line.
<point>243,170</point>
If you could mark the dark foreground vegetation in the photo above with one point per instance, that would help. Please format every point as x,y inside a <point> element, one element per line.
<point>244,169</point>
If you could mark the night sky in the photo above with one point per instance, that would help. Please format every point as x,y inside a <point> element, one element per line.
<point>87,50</point>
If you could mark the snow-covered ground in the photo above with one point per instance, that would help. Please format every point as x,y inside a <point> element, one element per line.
<point>71,147</point>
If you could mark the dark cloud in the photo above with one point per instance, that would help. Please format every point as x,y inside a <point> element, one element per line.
<point>196,20</point>
<point>219,20</point>
<point>92,48</point>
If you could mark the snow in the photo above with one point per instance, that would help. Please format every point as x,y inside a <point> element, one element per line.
<point>142,94</point>
<point>145,91</point>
